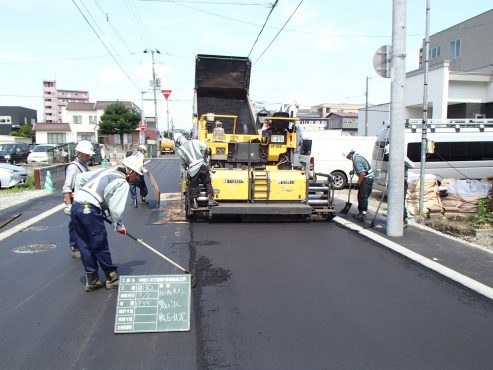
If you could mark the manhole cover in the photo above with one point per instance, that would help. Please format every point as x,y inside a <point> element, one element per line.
<point>35,248</point>
<point>36,228</point>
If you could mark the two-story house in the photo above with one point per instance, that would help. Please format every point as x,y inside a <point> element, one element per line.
<point>81,122</point>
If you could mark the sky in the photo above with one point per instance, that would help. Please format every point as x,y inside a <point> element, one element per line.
<point>309,52</point>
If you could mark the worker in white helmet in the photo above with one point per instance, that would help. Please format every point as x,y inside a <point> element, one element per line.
<point>98,195</point>
<point>192,154</point>
<point>140,182</point>
<point>83,153</point>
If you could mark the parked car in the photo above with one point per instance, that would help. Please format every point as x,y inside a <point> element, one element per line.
<point>11,175</point>
<point>167,146</point>
<point>42,153</point>
<point>96,158</point>
<point>14,152</point>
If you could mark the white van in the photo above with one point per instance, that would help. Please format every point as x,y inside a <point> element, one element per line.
<point>461,149</point>
<point>328,152</point>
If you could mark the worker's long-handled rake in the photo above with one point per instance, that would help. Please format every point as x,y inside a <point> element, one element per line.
<point>372,224</point>
<point>140,241</point>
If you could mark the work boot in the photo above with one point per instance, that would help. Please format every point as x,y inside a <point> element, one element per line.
<point>143,200</point>
<point>194,204</point>
<point>75,252</point>
<point>134,203</point>
<point>111,279</point>
<point>211,202</point>
<point>360,216</point>
<point>92,281</point>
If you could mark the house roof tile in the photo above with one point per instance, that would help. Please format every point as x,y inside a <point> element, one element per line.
<point>52,127</point>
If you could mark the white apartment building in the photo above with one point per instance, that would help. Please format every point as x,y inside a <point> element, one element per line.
<point>460,73</point>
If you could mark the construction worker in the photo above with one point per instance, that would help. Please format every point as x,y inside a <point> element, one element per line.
<point>362,169</point>
<point>83,153</point>
<point>140,182</point>
<point>98,195</point>
<point>192,154</point>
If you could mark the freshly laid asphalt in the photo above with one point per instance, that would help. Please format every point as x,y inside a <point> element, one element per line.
<point>462,262</point>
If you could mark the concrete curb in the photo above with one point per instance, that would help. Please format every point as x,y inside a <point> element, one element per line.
<point>445,271</point>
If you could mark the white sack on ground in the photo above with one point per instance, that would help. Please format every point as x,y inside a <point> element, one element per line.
<point>464,195</point>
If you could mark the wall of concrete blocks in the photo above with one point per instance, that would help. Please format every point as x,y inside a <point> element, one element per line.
<point>57,173</point>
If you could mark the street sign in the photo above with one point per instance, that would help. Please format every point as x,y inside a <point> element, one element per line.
<point>382,60</point>
<point>166,93</point>
<point>143,128</point>
<point>153,303</point>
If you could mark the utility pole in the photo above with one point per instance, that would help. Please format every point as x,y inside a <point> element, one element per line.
<point>142,121</point>
<point>424,126</point>
<point>154,82</point>
<point>366,107</point>
<point>395,181</point>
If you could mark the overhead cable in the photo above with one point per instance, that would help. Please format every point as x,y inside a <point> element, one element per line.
<point>105,46</point>
<point>263,26</point>
<point>275,37</point>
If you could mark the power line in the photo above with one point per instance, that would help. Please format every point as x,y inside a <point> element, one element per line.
<point>108,42</point>
<point>268,16</point>
<point>106,16</point>
<point>137,21</point>
<point>267,5</point>
<point>275,37</point>
<point>273,27</point>
<point>109,51</point>
<point>56,59</point>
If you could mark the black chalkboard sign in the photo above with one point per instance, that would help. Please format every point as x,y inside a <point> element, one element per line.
<point>153,303</point>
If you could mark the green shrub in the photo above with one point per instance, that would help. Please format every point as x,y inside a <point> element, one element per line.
<point>18,188</point>
<point>484,215</point>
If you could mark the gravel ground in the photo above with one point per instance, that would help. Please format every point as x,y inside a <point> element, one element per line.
<point>10,199</point>
<point>456,229</point>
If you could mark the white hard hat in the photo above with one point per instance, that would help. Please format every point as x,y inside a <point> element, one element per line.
<point>179,138</point>
<point>143,147</point>
<point>133,163</point>
<point>85,147</point>
<point>347,154</point>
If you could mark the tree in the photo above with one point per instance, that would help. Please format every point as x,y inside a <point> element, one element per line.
<point>24,131</point>
<point>118,119</point>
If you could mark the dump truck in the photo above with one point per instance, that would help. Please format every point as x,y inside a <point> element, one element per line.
<point>250,157</point>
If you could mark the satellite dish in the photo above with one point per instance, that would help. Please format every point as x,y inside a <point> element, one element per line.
<point>382,60</point>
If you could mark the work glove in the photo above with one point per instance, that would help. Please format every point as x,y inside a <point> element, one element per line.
<point>121,230</point>
<point>68,209</point>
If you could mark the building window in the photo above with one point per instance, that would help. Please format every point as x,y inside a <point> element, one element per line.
<point>454,51</point>
<point>56,138</point>
<point>436,52</point>
<point>93,120</point>
<point>89,136</point>
<point>77,119</point>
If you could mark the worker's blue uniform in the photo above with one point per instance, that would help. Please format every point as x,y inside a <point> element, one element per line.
<point>361,165</point>
<point>192,154</point>
<point>98,195</point>
<point>71,171</point>
<point>139,182</point>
